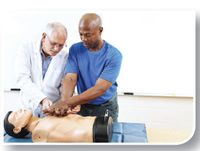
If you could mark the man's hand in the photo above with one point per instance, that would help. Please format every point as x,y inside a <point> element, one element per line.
<point>58,109</point>
<point>46,103</point>
<point>74,110</point>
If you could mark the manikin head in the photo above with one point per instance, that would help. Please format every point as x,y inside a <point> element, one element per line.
<point>90,30</point>
<point>54,38</point>
<point>15,122</point>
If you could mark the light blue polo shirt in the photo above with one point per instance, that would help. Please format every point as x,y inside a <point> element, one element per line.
<point>89,66</point>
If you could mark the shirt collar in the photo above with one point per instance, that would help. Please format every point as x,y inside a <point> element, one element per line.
<point>42,53</point>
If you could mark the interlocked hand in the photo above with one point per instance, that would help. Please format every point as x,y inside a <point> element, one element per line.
<point>58,109</point>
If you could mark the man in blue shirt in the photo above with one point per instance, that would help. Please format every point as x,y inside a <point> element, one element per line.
<point>93,66</point>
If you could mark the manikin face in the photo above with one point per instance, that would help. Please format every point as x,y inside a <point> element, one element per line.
<point>53,44</point>
<point>20,118</point>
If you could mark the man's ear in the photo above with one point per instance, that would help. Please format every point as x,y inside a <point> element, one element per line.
<point>43,36</point>
<point>101,29</point>
<point>16,130</point>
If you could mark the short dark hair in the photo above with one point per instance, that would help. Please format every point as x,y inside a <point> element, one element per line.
<point>9,128</point>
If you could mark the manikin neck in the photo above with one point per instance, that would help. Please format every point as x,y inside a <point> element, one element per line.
<point>32,123</point>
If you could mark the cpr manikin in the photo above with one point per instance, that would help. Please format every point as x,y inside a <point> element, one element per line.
<point>70,128</point>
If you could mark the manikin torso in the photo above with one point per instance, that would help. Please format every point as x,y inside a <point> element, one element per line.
<point>71,128</point>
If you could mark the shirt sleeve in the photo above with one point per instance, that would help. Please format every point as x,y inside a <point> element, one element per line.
<point>71,65</point>
<point>112,68</point>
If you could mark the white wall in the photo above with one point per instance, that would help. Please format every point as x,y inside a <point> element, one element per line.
<point>158,47</point>
<point>158,112</point>
<point>155,112</point>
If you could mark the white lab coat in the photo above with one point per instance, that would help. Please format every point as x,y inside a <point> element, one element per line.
<point>33,87</point>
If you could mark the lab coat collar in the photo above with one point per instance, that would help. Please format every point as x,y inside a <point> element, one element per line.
<point>52,66</point>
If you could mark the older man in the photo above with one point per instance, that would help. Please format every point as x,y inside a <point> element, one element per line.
<point>93,65</point>
<point>40,69</point>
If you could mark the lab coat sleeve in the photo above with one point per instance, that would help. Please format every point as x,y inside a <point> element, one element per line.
<point>60,89</point>
<point>23,71</point>
<point>62,81</point>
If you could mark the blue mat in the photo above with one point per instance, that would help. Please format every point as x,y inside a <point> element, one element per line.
<point>129,133</point>
<point>122,133</point>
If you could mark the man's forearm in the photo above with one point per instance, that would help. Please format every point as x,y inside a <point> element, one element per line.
<point>92,93</point>
<point>68,88</point>
<point>84,97</point>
